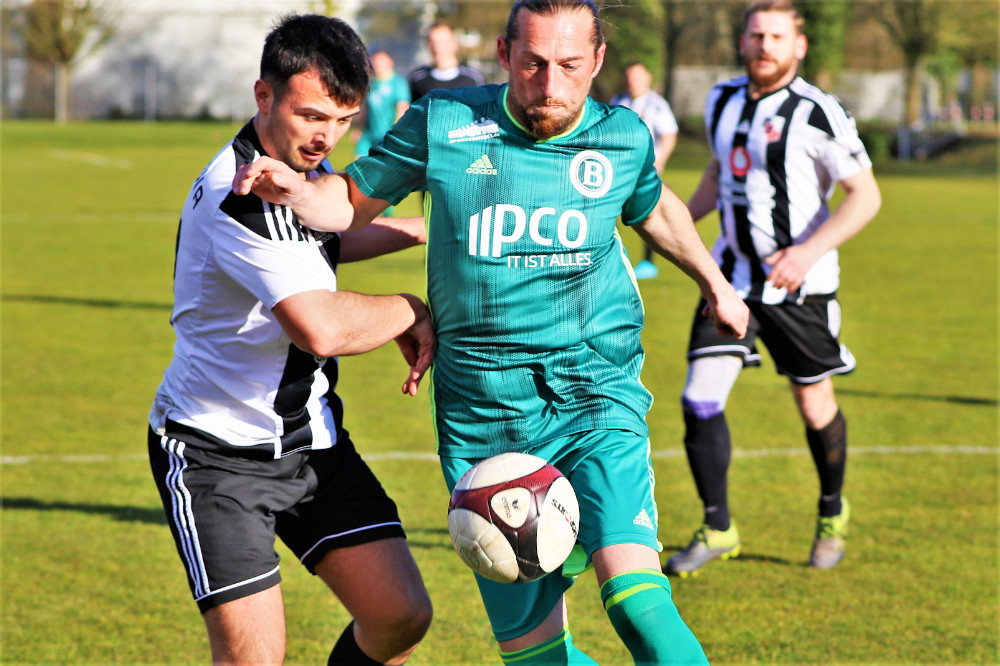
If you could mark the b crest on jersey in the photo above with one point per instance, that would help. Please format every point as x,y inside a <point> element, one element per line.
<point>591,174</point>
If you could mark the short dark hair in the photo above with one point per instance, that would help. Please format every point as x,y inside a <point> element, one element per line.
<point>301,42</point>
<point>549,7</point>
<point>783,6</point>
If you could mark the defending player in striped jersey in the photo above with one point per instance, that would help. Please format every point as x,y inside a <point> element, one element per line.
<point>246,434</point>
<point>537,312</point>
<point>780,145</point>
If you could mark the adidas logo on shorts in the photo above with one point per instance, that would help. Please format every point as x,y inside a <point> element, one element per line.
<point>643,519</point>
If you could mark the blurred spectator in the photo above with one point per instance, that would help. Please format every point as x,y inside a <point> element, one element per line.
<point>446,72</point>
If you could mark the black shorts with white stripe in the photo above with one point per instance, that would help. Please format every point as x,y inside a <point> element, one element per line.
<point>802,338</point>
<point>225,510</point>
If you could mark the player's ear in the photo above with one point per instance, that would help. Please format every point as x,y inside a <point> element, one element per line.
<point>264,95</point>
<point>801,45</point>
<point>502,54</point>
<point>599,59</point>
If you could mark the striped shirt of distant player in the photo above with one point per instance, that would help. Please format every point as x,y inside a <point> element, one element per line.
<point>780,157</point>
<point>654,110</point>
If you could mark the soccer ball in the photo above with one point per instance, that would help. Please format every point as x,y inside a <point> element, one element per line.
<point>513,518</point>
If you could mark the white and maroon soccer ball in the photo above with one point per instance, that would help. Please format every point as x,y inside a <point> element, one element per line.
<point>513,518</point>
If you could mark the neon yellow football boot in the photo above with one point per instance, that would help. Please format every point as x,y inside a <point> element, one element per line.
<point>706,545</point>
<point>831,538</point>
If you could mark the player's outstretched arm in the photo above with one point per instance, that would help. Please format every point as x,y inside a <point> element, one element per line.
<point>861,203</point>
<point>670,231</point>
<point>383,236</point>
<point>328,203</point>
<point>344,323</point>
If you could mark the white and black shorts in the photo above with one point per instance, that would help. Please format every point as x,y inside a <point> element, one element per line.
<point>225,510</point>
<point>802,338</point>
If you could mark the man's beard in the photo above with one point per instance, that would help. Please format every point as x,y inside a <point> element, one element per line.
<point>547,126</point>
<point>768,79</point>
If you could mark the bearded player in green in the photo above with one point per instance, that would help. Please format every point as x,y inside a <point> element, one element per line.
<point>537,311</point>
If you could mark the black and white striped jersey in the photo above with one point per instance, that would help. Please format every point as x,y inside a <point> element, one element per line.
<point>780,157</point>
<point>235,374</point>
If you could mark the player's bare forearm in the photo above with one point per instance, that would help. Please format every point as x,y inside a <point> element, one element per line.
<point>705,198</point>
<point>383,236</point>
<point>344,323</point>
<point>671,232</point>
<point>861,202</point>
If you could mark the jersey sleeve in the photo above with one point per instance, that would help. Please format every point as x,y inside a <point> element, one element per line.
<point>648,185</point>
<point>841,152</point>
<point>272,268</point>
<point>398,165</point>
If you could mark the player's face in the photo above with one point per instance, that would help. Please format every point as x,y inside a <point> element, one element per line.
<point>772,48</point>
<point>301,127</point>
<point>552,64</point>
<point>638,80</point>
<point>442,44</point>
<point>382,64</point>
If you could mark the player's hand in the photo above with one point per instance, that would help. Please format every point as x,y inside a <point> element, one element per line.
<point>271,180</point>
<point>729,313</point>
<point>418,344</point>
<point>789,266</point>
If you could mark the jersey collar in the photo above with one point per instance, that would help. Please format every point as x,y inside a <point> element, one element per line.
<point>571,130</point>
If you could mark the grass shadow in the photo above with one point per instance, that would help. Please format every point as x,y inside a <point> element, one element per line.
<point>957,399</point>
<point>87,302</point>
<point>120,513</point>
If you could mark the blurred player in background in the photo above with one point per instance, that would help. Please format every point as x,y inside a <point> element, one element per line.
<point>537,313</point>
<point>780,145</point>
<point>388,100</point>
<point>655,111</point>
<point>246,436</point>
<point>446,72</point>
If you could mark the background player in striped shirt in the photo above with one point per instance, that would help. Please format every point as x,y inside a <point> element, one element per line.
<point>246,437</point>
<point>655,111</point>
<point>538,315</point>
<point>780,145</point>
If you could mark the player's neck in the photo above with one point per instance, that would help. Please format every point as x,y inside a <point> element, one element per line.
<point>757,91</point>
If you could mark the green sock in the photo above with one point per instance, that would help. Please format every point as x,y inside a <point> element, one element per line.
<point>642,611</point>
<point>557,650</point>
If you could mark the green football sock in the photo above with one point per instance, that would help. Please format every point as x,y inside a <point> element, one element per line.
<point>642,611</point>
<point>557,650</point>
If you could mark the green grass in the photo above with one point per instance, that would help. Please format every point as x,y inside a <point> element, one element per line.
<point>89,573</point>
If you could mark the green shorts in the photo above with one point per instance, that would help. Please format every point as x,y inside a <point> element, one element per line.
<point>612,475</point>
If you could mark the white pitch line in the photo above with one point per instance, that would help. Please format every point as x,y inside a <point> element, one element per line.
<point>95,159</point>
<point>671,453</point>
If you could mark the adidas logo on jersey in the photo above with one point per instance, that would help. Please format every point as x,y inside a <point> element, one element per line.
<point>482,166</point>
<point>643,519</point>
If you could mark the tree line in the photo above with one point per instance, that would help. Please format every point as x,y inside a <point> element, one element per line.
<point>936,38</point>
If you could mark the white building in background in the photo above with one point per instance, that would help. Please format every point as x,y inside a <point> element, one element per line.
<point>177,58</point>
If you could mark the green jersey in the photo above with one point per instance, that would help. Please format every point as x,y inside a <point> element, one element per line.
<point>536,309</point>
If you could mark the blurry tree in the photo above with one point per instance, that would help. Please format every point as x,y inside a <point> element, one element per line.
<point>61,33</point>
<point>826,29</point>
<point>914,25</point>
<point>679,17</point>
<point>968,39</point>
<point>478,23</point>
<point>395,27</point>
<point>634,32</point>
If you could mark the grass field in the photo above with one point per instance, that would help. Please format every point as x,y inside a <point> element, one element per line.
<point>89,573</point>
